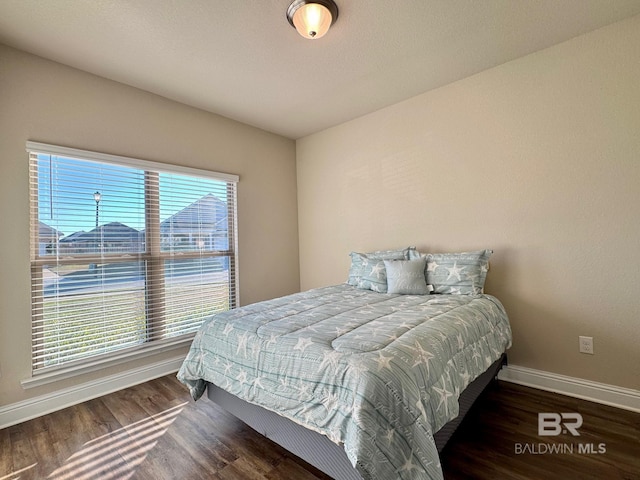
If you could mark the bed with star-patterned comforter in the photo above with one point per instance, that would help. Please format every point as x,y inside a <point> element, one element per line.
<point>376,373</point>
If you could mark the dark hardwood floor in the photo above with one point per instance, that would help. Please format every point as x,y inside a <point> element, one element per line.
<point>155,431</point>
<point>498,439</point>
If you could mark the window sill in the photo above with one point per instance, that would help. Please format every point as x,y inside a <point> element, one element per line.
<point>53,374</point>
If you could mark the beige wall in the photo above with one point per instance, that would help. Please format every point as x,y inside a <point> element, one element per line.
<point>538,159</point>
<point>47,102</point>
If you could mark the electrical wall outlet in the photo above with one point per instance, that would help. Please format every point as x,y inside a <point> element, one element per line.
<point>586,345</point>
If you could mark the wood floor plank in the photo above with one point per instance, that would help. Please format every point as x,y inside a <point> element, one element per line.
<point>6,459</point>
<point>44,444</point>
<point>486,445</point>
<point>22,454</point>
<point>200,443</point>
<point>288,468</point>
<point>155,431</point>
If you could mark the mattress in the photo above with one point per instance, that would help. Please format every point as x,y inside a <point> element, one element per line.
<point>375,373</point>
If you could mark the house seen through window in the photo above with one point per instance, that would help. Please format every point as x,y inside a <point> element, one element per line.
<point>125,254</point>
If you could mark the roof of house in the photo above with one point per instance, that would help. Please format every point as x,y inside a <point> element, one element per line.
<point>110,232</point>
<point>206,214</point>
<point>47,232</point>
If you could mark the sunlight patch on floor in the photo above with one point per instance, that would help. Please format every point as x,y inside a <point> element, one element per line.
<point>117,454</point>
<point>16,475</point>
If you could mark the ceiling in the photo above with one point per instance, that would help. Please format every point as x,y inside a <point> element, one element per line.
<point>242,59</point>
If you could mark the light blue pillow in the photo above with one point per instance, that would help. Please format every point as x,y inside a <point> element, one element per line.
<point>374,276</point>
<point>458,273</point>
<point>406,277</point>
<point>360,262</point>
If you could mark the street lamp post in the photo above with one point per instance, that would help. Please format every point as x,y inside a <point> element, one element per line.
<point>97,196</point>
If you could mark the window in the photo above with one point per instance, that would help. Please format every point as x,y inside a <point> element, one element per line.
<point>125,254</point>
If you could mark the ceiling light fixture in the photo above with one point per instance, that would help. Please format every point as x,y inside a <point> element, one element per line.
<point>312,18</point>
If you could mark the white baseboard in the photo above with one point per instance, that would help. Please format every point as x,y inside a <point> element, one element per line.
<point>620,397</point>
<point>34,407</point>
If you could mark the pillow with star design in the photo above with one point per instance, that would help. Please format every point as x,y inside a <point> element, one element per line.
<point>461,273</point>
<point>364,265</point>
<point>374,276</point>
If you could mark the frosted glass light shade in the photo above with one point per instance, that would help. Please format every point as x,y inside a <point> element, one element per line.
<point>312,19</point>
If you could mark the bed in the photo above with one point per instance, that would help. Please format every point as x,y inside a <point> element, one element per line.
<point>355,381</point>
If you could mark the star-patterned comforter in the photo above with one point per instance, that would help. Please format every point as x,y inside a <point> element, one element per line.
<point>376,373</point>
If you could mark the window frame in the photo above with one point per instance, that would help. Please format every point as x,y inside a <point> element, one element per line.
<point>153,258</point>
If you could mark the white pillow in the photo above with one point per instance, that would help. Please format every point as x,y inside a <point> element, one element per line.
<point>406,277</point>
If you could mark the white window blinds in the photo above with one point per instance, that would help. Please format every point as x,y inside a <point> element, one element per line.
<point>124,253</point>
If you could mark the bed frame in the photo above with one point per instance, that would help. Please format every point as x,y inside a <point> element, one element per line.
<point>316,448</point>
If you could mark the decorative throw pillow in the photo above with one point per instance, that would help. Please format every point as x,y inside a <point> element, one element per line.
<point>458,273</point>
<point>374,276</point>
<point>406,277</point>
<point>359,262</point>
